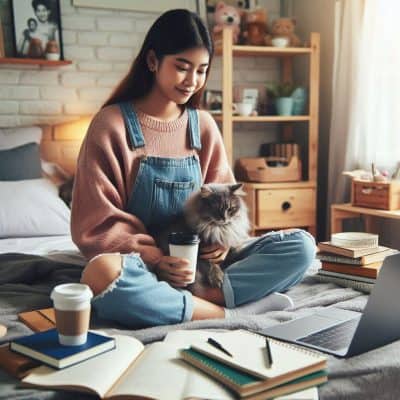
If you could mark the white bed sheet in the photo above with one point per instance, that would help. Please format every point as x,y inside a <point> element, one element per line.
<point>57,248</point>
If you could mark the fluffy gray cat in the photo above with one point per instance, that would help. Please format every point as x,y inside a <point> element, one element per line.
<point>218,214</point>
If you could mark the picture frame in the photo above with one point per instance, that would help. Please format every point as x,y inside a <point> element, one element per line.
<point>37,30</point>
<point>213,101</point>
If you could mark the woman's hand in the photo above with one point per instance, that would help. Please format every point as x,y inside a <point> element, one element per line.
<point>174,270</point>
<point>213,253</point>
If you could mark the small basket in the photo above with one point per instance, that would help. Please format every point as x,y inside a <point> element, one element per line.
<point>380,195</point>
<point>268,169</point>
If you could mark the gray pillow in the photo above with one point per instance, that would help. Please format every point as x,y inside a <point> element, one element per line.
<point>22,162</point>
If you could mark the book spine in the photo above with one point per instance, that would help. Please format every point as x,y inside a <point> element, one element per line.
<point>346,276</point>
<point>339,259</point>
<point>361,286</point>
<point>351,270</point>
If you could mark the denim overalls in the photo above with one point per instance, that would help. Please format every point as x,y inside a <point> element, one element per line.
<point>270,263</point>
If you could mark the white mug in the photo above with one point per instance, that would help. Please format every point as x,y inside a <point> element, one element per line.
<point>243,109</point>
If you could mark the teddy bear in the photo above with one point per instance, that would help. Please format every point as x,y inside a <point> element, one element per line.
<point>225,15</point>
<point>284,28</point>
<point>255,27</point>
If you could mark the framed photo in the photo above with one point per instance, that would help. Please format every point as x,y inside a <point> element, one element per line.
<point>213,101</point>
<point>37,29</point>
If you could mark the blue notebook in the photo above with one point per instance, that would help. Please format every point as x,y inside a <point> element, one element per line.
<point>45,347</point>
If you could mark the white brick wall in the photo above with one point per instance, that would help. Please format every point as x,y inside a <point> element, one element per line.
<point>102,45</point>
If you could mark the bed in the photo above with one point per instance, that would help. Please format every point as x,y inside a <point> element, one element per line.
<point>37,255</point>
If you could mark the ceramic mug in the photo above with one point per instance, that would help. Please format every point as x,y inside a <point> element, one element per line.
<point>280,42</point>
<point>243,109</point>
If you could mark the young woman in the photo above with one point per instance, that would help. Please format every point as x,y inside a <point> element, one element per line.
<point>145,152</point>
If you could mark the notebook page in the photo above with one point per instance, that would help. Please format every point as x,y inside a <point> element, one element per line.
<point>112,365</point>
<point>160,374</point>
<point>249,353</point>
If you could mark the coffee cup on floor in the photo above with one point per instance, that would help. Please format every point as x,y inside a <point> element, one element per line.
<point>72,308</point>
<point>185,245</point>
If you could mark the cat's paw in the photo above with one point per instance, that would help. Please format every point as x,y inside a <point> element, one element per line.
<point>215,276</point>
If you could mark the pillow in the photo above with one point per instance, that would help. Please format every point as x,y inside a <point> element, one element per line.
<point>22,162</point>
<point>14,137</point>
<point>32,208</point>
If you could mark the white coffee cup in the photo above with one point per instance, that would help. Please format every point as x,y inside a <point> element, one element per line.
<point>244,109</point>
<point>185,245</point>
<point>280,42</point>
<point>72,308</point>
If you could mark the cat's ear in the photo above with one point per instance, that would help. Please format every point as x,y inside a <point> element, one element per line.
<point>205,191</point>
<point>236,189</point>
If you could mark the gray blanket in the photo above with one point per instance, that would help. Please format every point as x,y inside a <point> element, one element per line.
<point>26,282</point>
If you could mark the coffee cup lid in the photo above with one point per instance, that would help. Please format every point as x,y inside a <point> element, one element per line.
<point>183,238</point>
<point>71,292</point>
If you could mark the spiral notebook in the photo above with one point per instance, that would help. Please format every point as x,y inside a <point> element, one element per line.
<point>246,372</point>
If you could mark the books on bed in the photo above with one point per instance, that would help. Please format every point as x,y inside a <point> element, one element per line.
<point>153,372</point>
<point>246,372</point>
<point>356,267</point>
<point>45,347</point>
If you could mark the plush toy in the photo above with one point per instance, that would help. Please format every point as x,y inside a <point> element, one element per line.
<point>284,28</point>
<point>255,27</point>
<point>225,15</point>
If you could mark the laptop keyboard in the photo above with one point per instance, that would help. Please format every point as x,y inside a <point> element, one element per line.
<point>333,338</point>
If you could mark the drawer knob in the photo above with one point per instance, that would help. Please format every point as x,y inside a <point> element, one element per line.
<point>286,205</point>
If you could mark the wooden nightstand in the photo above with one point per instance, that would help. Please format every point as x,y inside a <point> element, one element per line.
<point>339,212</point>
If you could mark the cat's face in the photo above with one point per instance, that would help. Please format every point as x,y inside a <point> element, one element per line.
<point>220,203</point>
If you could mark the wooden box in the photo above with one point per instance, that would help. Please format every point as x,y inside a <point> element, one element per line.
<point>381,195</point>
<point>260,169</point>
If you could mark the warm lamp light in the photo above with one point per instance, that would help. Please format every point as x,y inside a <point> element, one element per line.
<point>75,130</point>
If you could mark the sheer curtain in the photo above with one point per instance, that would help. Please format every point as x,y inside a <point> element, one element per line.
<point>365,124</point>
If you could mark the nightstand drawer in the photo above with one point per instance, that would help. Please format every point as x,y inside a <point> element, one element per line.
<point>285,208</point>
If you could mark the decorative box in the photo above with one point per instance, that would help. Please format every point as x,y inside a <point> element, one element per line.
<point>268,169</point>
<point>381,195</point>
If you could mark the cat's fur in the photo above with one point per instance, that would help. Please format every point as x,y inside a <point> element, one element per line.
<point>218,214</point>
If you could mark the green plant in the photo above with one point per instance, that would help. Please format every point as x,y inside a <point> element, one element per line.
<point>284,89</point>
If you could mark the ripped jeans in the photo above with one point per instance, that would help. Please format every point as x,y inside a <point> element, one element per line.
<point>271,263</point>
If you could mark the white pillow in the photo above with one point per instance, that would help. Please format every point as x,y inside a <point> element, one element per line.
<point>32,208</point>
<point>14,137</point>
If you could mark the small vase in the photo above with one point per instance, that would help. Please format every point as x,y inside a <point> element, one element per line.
<point>284,105</point>
<point>52,50</point>
<point>299,97</point>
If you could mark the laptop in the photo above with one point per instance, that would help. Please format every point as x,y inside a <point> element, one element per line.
<point>347,333</point>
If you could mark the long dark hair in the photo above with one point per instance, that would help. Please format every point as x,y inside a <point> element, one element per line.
<point>173,32</point>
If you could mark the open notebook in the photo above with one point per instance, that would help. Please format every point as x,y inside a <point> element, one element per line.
<point>247,372</point>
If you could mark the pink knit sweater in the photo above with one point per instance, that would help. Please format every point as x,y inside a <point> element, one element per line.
<point>107,168</point>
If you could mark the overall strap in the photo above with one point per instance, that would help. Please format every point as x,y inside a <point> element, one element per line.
<point>194,129</point>
<point>132,124</point>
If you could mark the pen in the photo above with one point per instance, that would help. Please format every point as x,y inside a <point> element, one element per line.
<point>268,353</point>
<point>218,346</point>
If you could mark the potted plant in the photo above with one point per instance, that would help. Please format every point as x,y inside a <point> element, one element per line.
<point>282,93</point>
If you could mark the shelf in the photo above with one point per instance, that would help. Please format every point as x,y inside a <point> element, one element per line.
<point>33,61</point>
<point>245,51</point>
<point>266,118</point>
<point>281,185</point>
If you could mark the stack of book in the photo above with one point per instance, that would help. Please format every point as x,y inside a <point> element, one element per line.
<point>356,267</point>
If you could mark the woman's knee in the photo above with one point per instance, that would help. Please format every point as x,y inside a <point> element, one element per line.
<point>306,249</point>
<point>101,271</point>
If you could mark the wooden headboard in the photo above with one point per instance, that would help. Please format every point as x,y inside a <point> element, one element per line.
<point>61,143</point>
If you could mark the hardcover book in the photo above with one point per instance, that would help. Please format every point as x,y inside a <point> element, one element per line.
<point>346,276</point>
<point>45,347</point>
<point>363,260</point>
<point>352,252</point>
<point>245,371</point>
<point>368,271</point>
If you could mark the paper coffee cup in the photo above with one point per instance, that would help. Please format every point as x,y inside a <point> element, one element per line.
<point>72,308</point>
<point>185,245</point>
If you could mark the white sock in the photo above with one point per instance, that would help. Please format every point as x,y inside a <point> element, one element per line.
<point>273,302</point>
